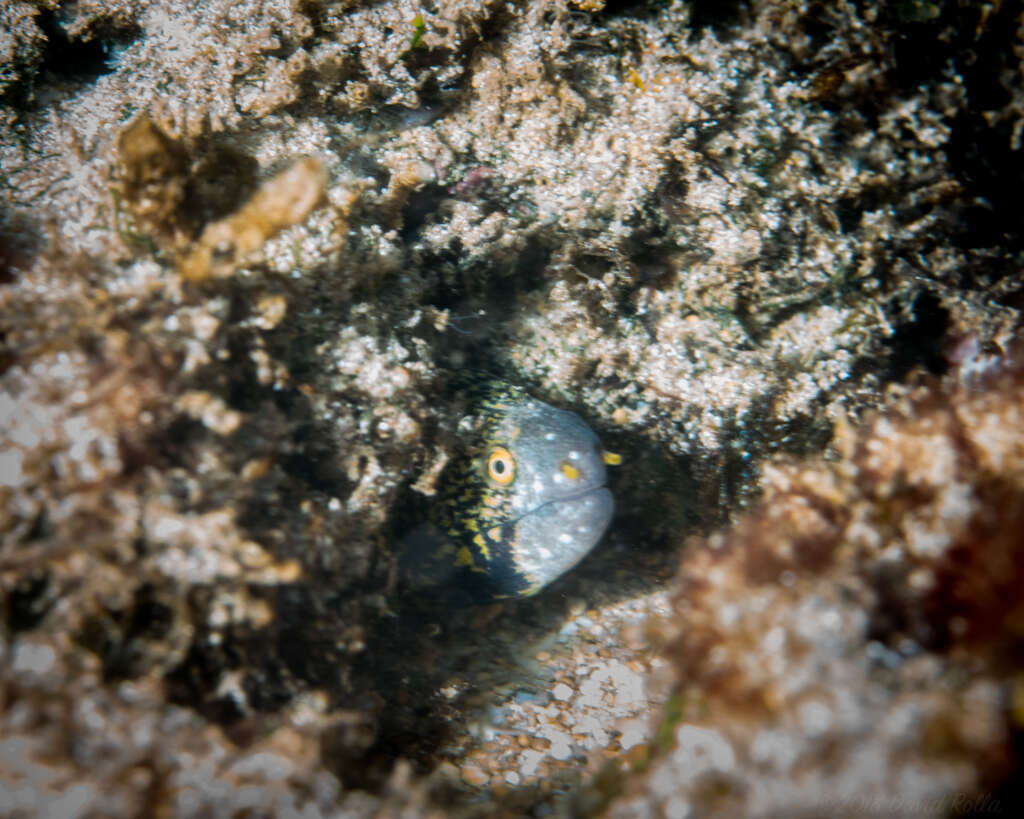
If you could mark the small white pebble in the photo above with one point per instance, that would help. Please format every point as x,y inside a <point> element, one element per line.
<point>561,743</point>
<point>562,692</point>
<point>10,468</point>
<point>634,732</point>
<point>264,766</point>
<point>529,761</point>
<point>561,751</point>
<point>33,658</point>
<point>678,809</point>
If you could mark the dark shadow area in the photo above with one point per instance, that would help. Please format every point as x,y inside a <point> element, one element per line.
<point>918,340</point>
<point>128,639</point>
<point>979,41</point>
<point>82,59</point>
<point>423,204</point>
<point>1005,798</point>
<point>29,600</point>
<point>221,178</point>
<point>720,16</point>
<point>79,59</point>
<point>21,234</point>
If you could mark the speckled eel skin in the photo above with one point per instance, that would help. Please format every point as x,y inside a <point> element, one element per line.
<point>521,505</point>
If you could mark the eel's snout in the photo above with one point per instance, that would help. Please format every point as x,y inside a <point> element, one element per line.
<point>553,538</point>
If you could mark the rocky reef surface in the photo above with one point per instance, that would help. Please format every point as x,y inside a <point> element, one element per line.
<point>770,250</point>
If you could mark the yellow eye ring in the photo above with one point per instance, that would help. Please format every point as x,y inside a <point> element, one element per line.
<point>501,466</point>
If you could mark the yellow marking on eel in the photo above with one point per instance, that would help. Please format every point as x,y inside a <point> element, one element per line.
<point>479,541</point>
<point>463,557</point>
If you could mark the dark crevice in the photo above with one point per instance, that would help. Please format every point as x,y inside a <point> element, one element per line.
<point>918,340</point>
<point>219,181</point>
<point>422,204</point>
<point>126,640</point>
<point>720,16</point>
<point>82,59</point>
<point>29,601</point>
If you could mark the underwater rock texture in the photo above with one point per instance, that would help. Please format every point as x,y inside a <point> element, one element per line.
<point>851,647</point>
<point>243,247</point>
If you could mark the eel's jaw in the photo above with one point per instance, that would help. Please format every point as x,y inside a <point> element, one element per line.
<point>554,537</point>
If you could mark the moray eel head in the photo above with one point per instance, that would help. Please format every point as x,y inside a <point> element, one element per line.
<point>522,503</point>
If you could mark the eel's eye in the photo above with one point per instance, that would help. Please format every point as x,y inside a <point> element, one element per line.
<point>501,466</point>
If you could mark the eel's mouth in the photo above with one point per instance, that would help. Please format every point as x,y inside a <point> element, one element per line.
<point>553,537</point>
<point>568,497</point>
